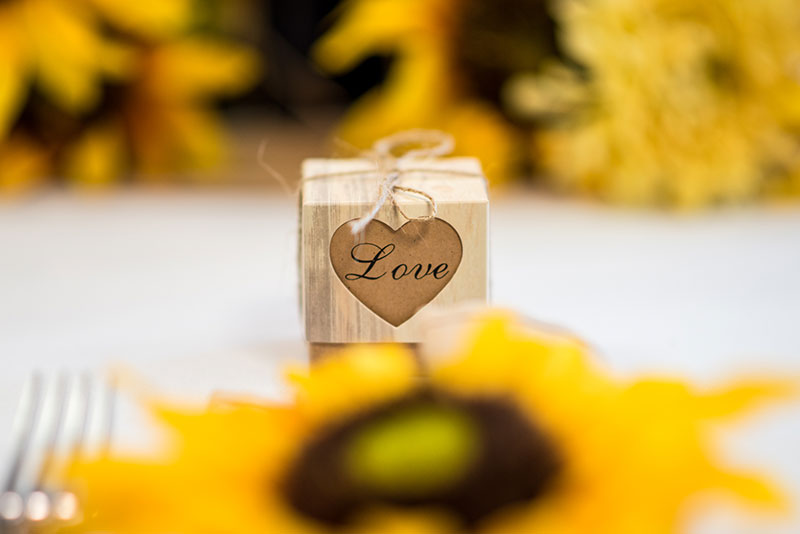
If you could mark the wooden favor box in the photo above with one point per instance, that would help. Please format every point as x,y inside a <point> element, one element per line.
<point>331,313</point>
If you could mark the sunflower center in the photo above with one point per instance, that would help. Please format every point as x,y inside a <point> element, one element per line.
<point>494,40</point>
<point>468,456</point>
<point>380,459</point>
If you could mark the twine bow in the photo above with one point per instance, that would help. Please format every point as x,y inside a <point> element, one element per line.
<point>390,169</point>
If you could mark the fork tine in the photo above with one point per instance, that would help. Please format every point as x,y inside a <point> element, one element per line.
<point>53,428</point>
<point>57,419</point>
<point>85,409</point>
<point>28,413</point>
<point>39,503</point>
<point>64,504</point>
<point>108,420</point>
<point>26,419</point>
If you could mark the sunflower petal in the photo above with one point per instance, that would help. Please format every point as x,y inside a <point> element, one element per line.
<point>25,164</point>
<point>752,489</point>
<point>197,68</point>
<point>746,396</point>
<point>174,137</point>
<point>96,158</point>
<point>371,26</point>
<point>340,385</point>
<point>414,97</point>
<point>118,60</point>
<point>150,18</point>
<point>13,73</point>
<point>67,53</point>
<point>482,132</point>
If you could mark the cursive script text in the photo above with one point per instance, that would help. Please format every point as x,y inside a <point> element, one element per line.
<point>370,254</point>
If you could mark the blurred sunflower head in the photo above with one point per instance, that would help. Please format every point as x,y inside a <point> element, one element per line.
<point>53,47</point>
<point>515,432</point>
<point>450,59</point>
<point>160,122</point>
<point>655,102</point>
<point>83,79</point>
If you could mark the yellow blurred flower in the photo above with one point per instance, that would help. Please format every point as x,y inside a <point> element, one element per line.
<point>148,18</point>
<point>99,88</point>
<point>57,45</point>
<point>24,161</point>
<point>679,102</point>
<point>435,45</point>
<point>162,123</point>
<point>516,432</point>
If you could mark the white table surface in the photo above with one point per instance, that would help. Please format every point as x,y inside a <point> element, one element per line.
<point>197,292</point>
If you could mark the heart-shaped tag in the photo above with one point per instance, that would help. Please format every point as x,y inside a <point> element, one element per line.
<point>395,273</point>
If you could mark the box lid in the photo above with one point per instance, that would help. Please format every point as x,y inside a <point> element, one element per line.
<point>469,187</point>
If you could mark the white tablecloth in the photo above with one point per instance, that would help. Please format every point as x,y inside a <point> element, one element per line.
<point>197,292</point>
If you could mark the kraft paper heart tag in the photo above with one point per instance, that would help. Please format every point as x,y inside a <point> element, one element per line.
<point>395,273</point>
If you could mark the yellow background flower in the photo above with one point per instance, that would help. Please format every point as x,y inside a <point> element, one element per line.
<point>163,124</point>
<point>658,102</point>
<point>684,103</point>
<point>94,89</point>
<point>423,89</point>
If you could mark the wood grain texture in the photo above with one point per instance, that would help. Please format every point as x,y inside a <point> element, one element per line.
<point>331,314</point>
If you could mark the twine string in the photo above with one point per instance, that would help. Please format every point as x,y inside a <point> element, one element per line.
<point>390,170</point>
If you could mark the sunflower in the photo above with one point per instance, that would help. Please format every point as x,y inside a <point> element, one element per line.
<point>516,431</point>
<point>450,60</point>
<point>93,88</point>
<point>148,18</point>
<point>60,48</point>
<point>676,102</point>
<point>161,122</point>
<point>54,43</point>
<point>25,162</point>
<point>55,47</point>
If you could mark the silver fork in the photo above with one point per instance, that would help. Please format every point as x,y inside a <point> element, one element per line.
<point>57,421</point>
